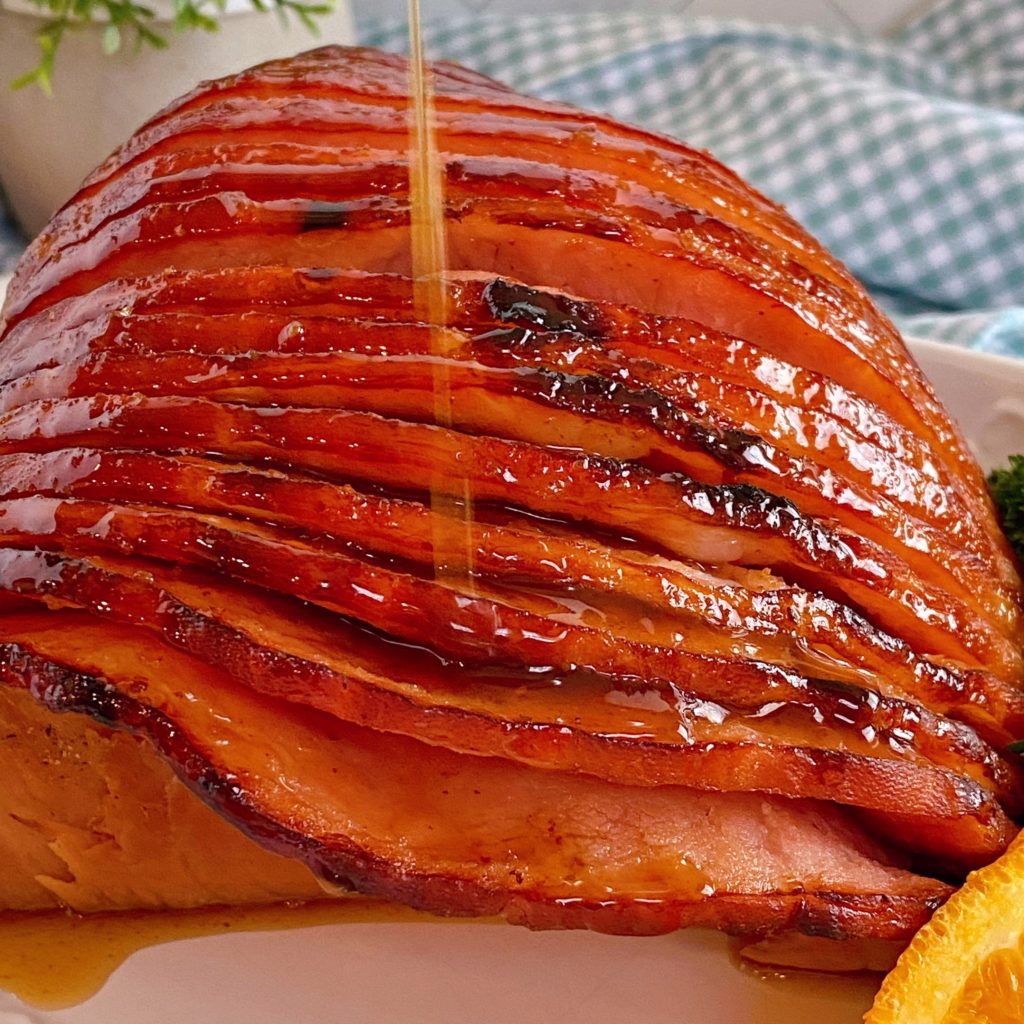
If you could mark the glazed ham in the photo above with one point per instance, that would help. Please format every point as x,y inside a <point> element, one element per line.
<point>652,587</point>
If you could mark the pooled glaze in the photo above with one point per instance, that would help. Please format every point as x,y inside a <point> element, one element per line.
<point>53,959</point>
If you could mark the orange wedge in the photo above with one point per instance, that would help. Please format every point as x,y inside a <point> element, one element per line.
<point>966,966</point>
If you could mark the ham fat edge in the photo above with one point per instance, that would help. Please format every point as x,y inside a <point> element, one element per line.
<point>684,604</point>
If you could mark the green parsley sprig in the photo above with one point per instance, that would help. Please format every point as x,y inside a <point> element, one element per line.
<point>129,23</point>
<point>1007,487</point>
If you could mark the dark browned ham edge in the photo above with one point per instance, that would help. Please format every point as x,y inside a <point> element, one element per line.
<point>396,818</point>
<point>739,640</point>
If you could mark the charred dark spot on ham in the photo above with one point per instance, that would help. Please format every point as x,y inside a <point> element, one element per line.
<point>734,448</point>
<point>319,214</point>
<point>509,301</point>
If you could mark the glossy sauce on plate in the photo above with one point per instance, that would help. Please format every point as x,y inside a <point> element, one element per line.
<point>54,959</point>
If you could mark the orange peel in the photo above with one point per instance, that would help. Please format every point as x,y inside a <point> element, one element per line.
<point>967,963</point>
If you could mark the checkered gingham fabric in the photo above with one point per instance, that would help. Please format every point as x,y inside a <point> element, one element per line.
<point>905,156</point>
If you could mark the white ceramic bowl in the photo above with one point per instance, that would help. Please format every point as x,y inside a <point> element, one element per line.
<point>49,144</point>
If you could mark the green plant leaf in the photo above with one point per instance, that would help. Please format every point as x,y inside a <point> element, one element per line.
<point>127,20</point>
<point>148,37</point>
<point>111,38</point>
<point>1007,487</point>
<point>48,38</point>
<point>31,77</point>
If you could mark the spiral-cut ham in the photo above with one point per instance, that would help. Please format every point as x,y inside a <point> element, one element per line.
<point>653,587</point>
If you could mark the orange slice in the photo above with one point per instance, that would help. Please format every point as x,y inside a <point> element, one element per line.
<point>966,966</point>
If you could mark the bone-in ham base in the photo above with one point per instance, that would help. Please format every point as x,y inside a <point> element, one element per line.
<point>730,638</point>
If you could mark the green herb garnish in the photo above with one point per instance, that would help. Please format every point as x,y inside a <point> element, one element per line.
<point>1007,487</point>
<point>127,22</point>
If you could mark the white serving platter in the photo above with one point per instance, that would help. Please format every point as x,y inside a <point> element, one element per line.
<point>427,973</point>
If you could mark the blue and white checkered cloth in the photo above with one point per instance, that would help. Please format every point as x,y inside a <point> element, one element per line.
<point>905,156</point>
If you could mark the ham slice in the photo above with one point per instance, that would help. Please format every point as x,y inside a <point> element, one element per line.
<point>652,588</point>
<point>463,835</point>
<point>94,820</point>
